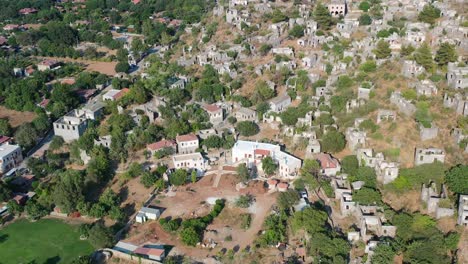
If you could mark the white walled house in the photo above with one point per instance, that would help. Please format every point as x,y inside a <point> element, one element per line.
<point>187,143</point>
<point>10,157</point>
<point>252,153</point>
<point>71,126</point>
<point>147,213</point>
<point>215,113</point>
<point>193,161</point>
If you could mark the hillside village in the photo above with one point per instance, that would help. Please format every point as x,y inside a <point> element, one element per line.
<point>232,131</point>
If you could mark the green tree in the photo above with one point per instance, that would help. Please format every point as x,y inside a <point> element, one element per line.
<point>350,165</point>
<point>213,141</point>
<point>382,50</point>
<point>323,17</point>
<point>247,128</point>
<point>242,172</point>
<point>100,236</point>
<point>5,128</point>
<point>35,210</point>
<point>310,219</point>
<point>69,190</point>
<point>287,199</point>
<point>365,20</point>
<point>297,31</point>
<point>423,56</point>
<point>333,141</point>
<point>383,254</point>
<point>364,6</point>
<point>122,67</point>
<point>179,177</point>
<point>407,50</point>
<point>193,176</point>
<point>429,14</point>
<point>5,192</point>
<point>148,179</point>
<point>14,207</point>
<point>56,143</point>
<point>190,236</point>
<point>445,54</point>
<point>269,166</point>
<point>26,135</point>
<point>457,179</point>
<point>367,196</point>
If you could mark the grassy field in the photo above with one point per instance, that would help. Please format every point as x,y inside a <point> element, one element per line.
<point>45,241</point>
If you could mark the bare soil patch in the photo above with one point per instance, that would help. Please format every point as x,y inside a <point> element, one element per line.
<point>16,118</point>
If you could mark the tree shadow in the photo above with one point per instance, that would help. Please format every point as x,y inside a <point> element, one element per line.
<point>52,260</point>
<point>123,194</point>
<point>3,238</point>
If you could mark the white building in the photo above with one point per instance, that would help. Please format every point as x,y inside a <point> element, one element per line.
<point>71,126</point>
<point>187,143</point>
<point>463,211</point>
<point>252,153</point>
<point>280,103</point>
<point>147,213</point>
<point>192,161</point>
<point>428,155</point>
<point>215,113</point>
<point>10,157</point>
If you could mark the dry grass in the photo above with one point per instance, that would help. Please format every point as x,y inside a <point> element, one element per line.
<point>16,118</point>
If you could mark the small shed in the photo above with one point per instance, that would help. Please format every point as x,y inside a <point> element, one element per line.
<point>147,213</point>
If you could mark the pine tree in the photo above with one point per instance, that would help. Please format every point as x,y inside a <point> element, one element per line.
<point>429,14</point>
<point>383,50</point>
<point>323,17</point>
<point>423,56</point>
<point>446,54</point>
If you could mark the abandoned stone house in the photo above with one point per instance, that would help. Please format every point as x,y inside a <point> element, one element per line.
<point>411,69</point>
<point>104,141</point>
<point>355,138</point>
<point>245,114</point>
<point>372,222</point>
<point>312,148</point>
<point>426,88</point>
<point>432,200</point>
<point>457,77</point>
<point>280,103</point>
<point>457,102</point>
<point>353,104</point>
<point>459,137</point>
<point>338,8</point>
<point>463,210</point>
<point>364,92</point>
<point>428,155</point>
<point>385,115</point>
<point>366,157</point>
<point>427,133</point>
<point>403,105</point>
<point>386,171</point>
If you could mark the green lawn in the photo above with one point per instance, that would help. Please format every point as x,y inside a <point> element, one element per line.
<point>43,242</point>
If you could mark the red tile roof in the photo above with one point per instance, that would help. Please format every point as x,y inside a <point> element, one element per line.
<point>262,152</point>
<point>326,161</point>
<point>4,139</point>
<point>212,108</point>
<point>48,62</point>
<point>149,251</point>
<point>282,185</point>
<point>120,94</point>
<point>185,138</point>
<point>272,182</point>
<point>161,144</point>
